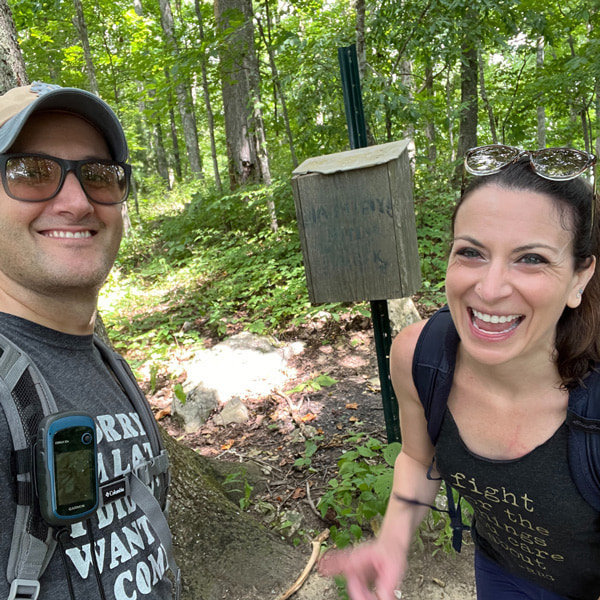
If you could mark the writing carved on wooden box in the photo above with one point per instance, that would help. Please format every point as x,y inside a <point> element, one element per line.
<point>357,224</point>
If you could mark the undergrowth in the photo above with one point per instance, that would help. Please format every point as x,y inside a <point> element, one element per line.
<point>196,264</point>
<point>196,269</point>
<point>358,496</point>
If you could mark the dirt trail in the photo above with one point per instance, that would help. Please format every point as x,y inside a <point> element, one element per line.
<point>274,438</point>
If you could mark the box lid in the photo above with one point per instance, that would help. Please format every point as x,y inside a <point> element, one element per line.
<point>349,160</point>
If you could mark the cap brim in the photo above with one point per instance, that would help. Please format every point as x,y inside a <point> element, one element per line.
<point>79,102</point>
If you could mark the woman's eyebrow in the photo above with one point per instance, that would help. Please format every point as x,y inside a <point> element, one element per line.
<point>534,246</point>
<point>467,238</point>
<point>524,248</point>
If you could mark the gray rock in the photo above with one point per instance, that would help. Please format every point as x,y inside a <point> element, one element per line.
<point>402,312</point>
<point>234,411</point>
<point>243,366</point>
<point>199,404</point>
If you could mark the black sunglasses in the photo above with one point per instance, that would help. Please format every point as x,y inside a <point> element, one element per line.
<point>556,164</point>
<point>39,177</point>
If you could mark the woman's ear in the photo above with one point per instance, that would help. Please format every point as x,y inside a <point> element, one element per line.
<point>582,278</point>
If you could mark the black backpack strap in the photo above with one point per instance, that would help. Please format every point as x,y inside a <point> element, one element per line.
<point>433,370</point>
<point>583,419</point>
<point>433,367</point>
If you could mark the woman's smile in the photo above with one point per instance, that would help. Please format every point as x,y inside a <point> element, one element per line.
<point>494,324</point>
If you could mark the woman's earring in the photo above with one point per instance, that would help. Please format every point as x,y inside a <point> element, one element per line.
<point>579,294</point>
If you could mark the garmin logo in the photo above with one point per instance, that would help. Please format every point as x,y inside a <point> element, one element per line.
<point>76,507</point>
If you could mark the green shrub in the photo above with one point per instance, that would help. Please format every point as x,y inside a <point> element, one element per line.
<point>361,490</point>
<point>357,498</point>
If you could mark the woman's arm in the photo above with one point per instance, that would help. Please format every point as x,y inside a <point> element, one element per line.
<point>381,564</point>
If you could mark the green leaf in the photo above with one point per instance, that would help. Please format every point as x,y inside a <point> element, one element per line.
<point>390,453</point>
<point>179,393</point>
<point>325,381</point>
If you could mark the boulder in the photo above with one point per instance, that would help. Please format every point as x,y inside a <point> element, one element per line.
<point>244,365</point>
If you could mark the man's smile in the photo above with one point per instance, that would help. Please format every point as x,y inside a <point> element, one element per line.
<point>68,234</point>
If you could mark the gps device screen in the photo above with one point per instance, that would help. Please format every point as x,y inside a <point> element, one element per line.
<point>66,467</point>
<point>75,468</point>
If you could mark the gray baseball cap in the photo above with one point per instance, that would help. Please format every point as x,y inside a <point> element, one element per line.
<point>18,104</point>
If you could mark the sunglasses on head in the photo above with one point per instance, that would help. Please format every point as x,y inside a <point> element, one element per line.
<point>556,164</point>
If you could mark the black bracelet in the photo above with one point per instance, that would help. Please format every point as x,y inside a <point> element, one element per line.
<point>416,502</point>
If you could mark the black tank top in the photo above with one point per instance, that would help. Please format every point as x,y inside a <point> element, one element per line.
<point>528,515</point>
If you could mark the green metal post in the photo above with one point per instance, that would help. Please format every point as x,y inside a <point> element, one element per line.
<point>357,131</point>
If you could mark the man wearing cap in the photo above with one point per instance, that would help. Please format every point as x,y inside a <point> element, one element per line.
<point>64,179</point>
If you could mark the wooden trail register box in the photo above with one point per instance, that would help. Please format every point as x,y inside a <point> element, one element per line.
<point>357,224</point>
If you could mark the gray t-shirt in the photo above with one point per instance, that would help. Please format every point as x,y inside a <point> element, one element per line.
<point>131,560</point>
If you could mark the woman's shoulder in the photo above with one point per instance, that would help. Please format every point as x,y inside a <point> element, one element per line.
<point>405,342</point>
<point>415,439</point>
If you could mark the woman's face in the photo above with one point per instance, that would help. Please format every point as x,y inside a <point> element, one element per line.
<point>510,274</point>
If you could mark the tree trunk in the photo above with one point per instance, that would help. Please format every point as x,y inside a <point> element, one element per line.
<point>409,132</point>
<point>257,126</point>
<point>207,103</point>
<point>486,102</point>
<point>173,128</point>
<point>449,113</point>
<point>360,8</point>
<point>430,123</point>
<point>156,137</point>
<point>184,102</point>
<point>467,134</point>
<point>277,84</point>
<point>81,27</point>
<point>221,551</point>
<point>541,110</point>
<point>159,153</point>
<point>12,66</point>
<point>236,54</point>
<point>596,149</point>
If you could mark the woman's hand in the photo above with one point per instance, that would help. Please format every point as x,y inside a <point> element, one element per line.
<point>372,571</point>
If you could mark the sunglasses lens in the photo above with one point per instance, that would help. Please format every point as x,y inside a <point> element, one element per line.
<point>32,178</point>
<point>104,182</point>
<point>560,163</point>
<point>486,160</point>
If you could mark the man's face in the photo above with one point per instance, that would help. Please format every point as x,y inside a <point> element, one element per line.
<point>66,245</point>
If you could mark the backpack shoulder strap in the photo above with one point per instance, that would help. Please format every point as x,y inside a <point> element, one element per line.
<point>433,367</point>
<point>141,483</point>
<point>583,419</point>
<point>159,466</point>
<point>25,398</point>
<point>433,370</point>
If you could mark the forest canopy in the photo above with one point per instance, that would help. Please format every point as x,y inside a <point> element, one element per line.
<point>448,73</point>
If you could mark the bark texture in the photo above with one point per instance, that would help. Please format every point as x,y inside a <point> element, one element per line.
<point>223,552</point>
<point>12,67</point>
<point>182,91</point>
<point>239,73</point>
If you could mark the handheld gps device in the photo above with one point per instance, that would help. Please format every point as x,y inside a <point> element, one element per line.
<point>66,468</point>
